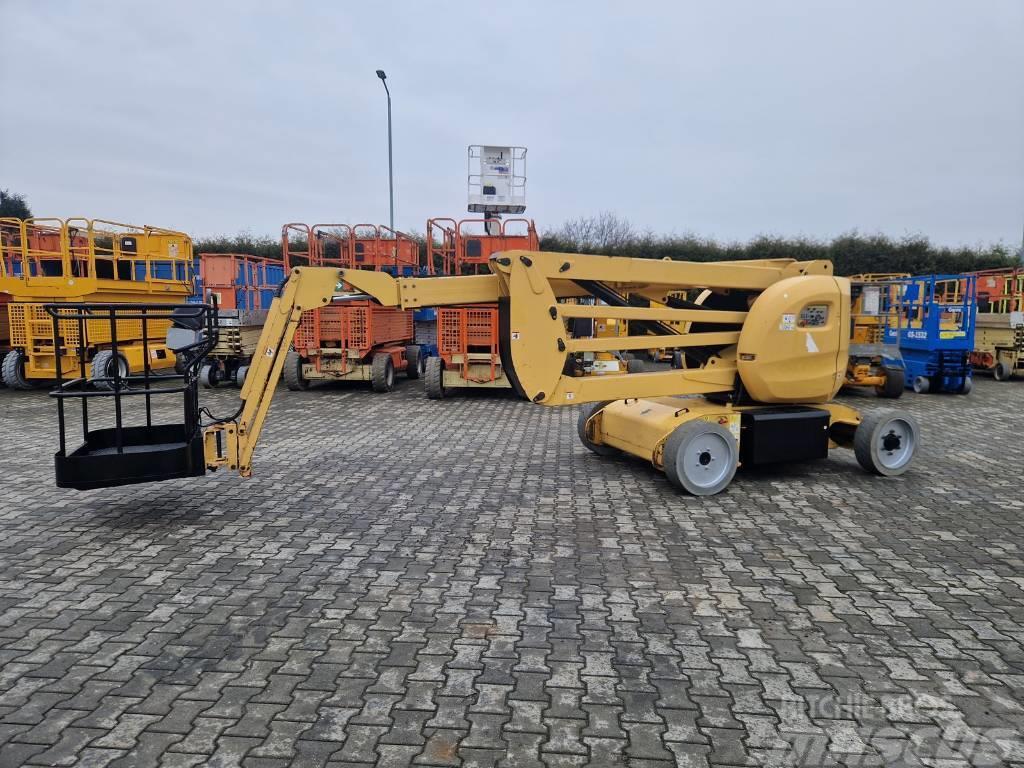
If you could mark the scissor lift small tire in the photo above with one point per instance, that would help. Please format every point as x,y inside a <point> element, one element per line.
<point>13,371</point>
<point>382,373</point>
<point>895,383</point>
<point>434,378</point>
<point>1002,371</point>
<point>102,367</point>
<point>293,377</point>
<point>413,364</point>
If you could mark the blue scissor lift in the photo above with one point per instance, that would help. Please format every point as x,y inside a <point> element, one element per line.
<point>936,331</point>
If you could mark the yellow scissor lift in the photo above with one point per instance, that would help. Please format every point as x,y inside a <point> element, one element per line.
<point>999,329</point>
<point>875,359</point>
<point>50,260</point>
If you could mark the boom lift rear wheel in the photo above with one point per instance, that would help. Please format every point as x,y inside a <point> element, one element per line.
<point>383,372</point>
<point>293,377</point>
<point>434,378</point>
<point>701,457</point>
<point>581,429</point>
<point>885,442</point>
<point>13,371</point>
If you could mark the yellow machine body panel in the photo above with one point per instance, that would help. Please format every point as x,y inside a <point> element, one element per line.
<point>794,345</point>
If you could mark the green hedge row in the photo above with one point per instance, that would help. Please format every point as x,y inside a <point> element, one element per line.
<point>851,254</point>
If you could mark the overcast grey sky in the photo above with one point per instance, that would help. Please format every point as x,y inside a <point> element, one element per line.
<point>725,119</point>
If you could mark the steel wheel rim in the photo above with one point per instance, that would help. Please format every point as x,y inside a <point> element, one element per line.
<point>707,460</point>
<point>895,443</point>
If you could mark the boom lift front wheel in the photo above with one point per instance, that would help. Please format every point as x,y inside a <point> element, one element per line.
<point>885,442</point>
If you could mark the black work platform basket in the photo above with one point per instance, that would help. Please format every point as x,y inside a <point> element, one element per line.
<point>134,449</point>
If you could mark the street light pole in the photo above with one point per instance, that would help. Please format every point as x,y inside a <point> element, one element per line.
<point>391,172</point>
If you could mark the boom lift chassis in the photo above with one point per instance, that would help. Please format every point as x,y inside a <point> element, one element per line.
<point>763,358</point>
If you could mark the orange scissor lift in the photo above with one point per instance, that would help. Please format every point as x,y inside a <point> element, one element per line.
<point>49,260</point>
<point>358,340</point>
<point>467,337</point>
<point>999,328</point>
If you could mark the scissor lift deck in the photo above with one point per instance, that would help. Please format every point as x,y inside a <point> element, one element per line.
<point>127,453</point>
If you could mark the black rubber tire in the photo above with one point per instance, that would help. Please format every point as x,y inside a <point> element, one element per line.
<point>652,356</point>
<point>636,365</point>
<point>433,378</point>
<point>210,375</point>
<point>412,361</point>
<point>581,429</point>
<point>382,372</point>
<point>675,454</point>
<point>102,365</point>
<point>922,384</point>
<point>1002,371</point>
<point>868,446</point>
<point>895,383</point>
<point>966,387</point>
<point>239,376</point>
<point>677,359</point>
<point>13,371</point>
<point>293,378</point>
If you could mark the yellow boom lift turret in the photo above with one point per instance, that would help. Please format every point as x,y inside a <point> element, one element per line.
<point>765,352</point>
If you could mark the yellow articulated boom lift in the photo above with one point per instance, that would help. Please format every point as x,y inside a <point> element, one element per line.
<point>757,387</point>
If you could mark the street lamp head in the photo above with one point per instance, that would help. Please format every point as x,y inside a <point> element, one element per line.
<point>381,75</point>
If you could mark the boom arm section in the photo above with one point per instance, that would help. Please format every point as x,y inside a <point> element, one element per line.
<point>540,293</point>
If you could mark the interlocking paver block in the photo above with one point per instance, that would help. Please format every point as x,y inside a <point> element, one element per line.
<point>500,596</point>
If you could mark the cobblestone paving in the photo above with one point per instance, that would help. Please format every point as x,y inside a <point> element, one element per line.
<point>408,582</point>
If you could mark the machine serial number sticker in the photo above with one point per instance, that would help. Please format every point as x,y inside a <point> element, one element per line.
<point>788,323</point>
